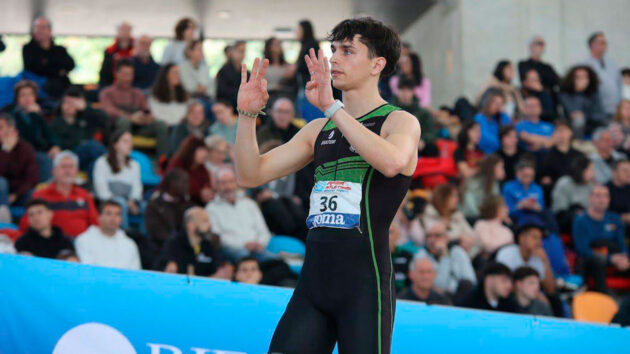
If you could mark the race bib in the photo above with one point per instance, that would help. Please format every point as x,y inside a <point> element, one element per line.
<point>335,204</point>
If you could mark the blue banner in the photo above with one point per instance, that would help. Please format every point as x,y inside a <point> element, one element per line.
<point>49,306</point>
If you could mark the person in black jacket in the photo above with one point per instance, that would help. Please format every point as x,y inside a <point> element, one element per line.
<point>43,57</point>
<point>42,239</point>
<point>229,77</point>
<point>548,76</point>
<point>493,291</point>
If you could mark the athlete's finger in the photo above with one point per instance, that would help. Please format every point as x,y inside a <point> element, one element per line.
<point>243,74</point>
<point>263,70</point>
<point>326,66</point>
<point>309,64</point>
<point>313,55</point>
<point>320,56</point>
<point>255,69</point>
<point>311,85</point>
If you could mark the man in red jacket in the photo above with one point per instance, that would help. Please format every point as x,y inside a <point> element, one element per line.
<point>73,207</point>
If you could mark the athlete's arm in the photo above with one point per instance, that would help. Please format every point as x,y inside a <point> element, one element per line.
<point>253,169</point>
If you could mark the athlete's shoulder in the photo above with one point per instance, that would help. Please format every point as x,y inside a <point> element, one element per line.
<point>401,120</point>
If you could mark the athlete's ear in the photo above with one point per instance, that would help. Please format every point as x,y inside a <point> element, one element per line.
<point>378,65</point>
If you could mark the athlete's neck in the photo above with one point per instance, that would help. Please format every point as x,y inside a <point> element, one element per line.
<point>362,100</point>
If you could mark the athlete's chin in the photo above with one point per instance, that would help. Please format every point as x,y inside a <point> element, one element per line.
<point>339,84</point>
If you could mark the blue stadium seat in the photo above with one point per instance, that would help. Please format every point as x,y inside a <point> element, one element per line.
<point>290,245</point>
<point>148,176</point>
<point>7,226</point>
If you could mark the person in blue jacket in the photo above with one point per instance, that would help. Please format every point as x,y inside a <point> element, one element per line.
<point>490,119</point>
<point>522,193</point>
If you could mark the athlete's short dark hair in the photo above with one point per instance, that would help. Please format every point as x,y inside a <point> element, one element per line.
<point>381,40</point>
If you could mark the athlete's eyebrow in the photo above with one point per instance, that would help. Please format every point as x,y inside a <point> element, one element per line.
<point>343,46</point>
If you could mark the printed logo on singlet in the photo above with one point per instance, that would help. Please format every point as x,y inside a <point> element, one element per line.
<point>330,139</point>
<point>352,149</point>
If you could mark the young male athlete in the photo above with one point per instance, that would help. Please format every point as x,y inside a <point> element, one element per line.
<point>365,152</point>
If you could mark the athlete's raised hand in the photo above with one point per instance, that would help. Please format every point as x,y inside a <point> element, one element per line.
<point>318,89</point>
<point>252,94</point>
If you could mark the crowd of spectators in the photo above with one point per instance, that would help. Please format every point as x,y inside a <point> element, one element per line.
<point>540,192</point>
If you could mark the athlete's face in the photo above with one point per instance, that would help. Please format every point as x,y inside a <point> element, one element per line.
<point>351,65</point>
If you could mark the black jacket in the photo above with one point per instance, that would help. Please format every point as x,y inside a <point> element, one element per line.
<point>477,300</point>
<point>53,63</point>
<point>178,249</point>
<point>31,241</point>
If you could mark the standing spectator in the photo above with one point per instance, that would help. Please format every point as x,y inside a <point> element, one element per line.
<point>247,271</point>
<point>194,72</point>
<point>493,234</point>
<point>607,71</point>
<point>557,162</point>
<point>622,117</point>
<point>117,177</point>
<point>193,249</point>
<point>599,240</point>
<point>619,188</point>
<point>605,155</point>
<point>306,35</point>
<point>468,156</point>
<point>547,74</point>
<point>493,291</point>
<point>42,239</point>
<point>165,211</point>
<point>490,119</point>
<point>501,81</point>
<point>401,259</point>
<point>454,270</point>
<point>218,150</point>
<point>18,165</point>
<point>44,58</point>
<point>510,151</point>
<point>527,291</point>
<point>194,123</point>
<point>2,45</point>
<point>145,69</point>
<point>73,207</point>
<point>536,135</point>
<point>485,184</point>
<point>422,274</point>
<point>238,221</point>
<point>107,245</point>
<point>444,209</point>
<point>229,76</point>
<point>168,98</point>
<point>191,157</point>
<point>580,100</point>
<point>410,68</point>
<point>406,100</point>
<point>523,193</point>
<point>184,33</point>
<point>280,126</point>
<point>570,195</point>
<point>121,48</point>
<point>279,72</point>
<point>533,87</point>
<point>625,90</point>
<point>33,127</point>
<point>227,121</point>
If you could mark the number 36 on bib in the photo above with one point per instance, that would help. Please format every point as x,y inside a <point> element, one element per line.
<point>335,204</point>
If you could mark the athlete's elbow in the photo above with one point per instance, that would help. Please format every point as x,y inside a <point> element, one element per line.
<point>392,168</point>
<point>246,182</point>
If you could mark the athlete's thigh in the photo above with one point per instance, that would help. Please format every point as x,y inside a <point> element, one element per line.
<point>303,330</point>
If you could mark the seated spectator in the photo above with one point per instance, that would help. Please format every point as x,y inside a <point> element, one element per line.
<point>247,271</point>
<point>191,157</point>
<point>145,69</point>
<point>280,126</point>
<point>68,256</point>
<point>107,245</point>
<point>193,249</point>
<point>604,156</point>
<point>493,234</point>
<point>535,135</point>
<point>195,75</point>
<point>490,119</point>
<point>625,89</point>
<point>238,221</point>
<point>18,165</point>
<point>607,72</point>
<point>580,100</point>
<point>444,208</point>
<point>121,48</point>
<point>42,239</point>
<point>43,57</point>
<point>548,76</point>
<point>73,207</point>
<point>493,291</point>
<point>619,188</point>
<point>229,76</point>
<point>557,161</point>
<point>227,121</point>
<point>468,156</point>
<point>128,107</point>
<point>408,225</point>
<point>80,128</point>
<point>218,151</point>
<point>184,33</point>
<point>422,274</point>
<point>117,177</point>
<point>194,123</point>
<point>168,100</point>
<point>510,152</point>
<point>401,259</point>
<point>529,251</point>
<point>455,272</point>
<point>406,100</point>
<point>485,184</point>
<point>279,72</point>
<point>527,292</point>
<point>410,68</point>
<point>501,82</point>
<point>533,87</point>
<point>523,193</point>
<point>571,193</point>
<point>33,127</point>
<point>622,119</point>
<point>165,211</point>
<point>598,236</point>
